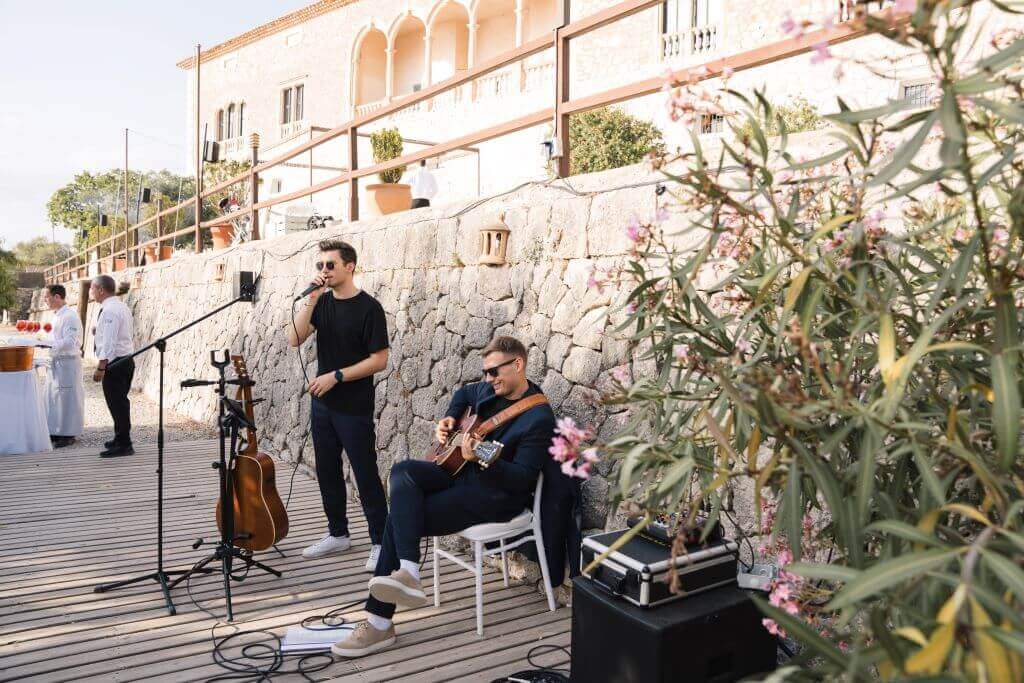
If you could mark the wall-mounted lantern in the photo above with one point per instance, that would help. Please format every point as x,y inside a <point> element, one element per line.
<point>494,242</point>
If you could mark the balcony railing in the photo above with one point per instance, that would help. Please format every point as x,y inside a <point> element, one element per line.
<point>125,246</point>
<point>699,41</point>
<point>538,76</point>
<point>368,107</point>
<point>292,128</point>
<point>848,9</point>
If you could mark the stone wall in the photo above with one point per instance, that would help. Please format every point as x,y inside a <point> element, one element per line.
<point>442,308</point>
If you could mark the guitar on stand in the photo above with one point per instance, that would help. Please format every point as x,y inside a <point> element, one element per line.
<point>248,496</point>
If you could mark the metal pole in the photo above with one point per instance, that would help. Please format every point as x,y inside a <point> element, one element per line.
<point>254,188</point>
<point>353,184</point>
<point>125,201</point>
<point>199,163</point>
<point>562,91</point>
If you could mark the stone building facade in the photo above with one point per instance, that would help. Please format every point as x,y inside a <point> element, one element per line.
<point>316,68</point>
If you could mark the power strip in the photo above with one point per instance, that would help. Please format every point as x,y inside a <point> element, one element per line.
<point>759,577</point>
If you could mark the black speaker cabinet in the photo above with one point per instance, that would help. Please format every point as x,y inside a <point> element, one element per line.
<point>713,636</point>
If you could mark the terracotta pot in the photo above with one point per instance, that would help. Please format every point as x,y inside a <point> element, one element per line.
<point>150,254</point>
<point>16,358</point>
<point>385,198</point>
<point>166,253</point>
<point>222,235</point>
<point>120,263</point>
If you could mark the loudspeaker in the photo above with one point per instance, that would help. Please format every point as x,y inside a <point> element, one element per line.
<point>147,195</point>
<point>714,636</point>
<point>103,219</point>
<point>245,286</point>
<point>211,151</point>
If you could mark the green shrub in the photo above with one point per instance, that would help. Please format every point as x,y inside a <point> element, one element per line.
<point>387,145</point>
<point>797,115</point>
<point>608,138</point>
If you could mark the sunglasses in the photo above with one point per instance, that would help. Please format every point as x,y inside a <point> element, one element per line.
<point>493,372</point>
<point>320,265</point>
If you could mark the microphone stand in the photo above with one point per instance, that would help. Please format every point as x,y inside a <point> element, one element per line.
<point>160,575</point>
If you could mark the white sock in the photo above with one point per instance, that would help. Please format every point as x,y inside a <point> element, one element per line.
<point>379,623</point>
<point>412,568</point>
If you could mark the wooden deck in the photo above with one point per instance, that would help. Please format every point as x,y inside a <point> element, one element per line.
<point>69,520</point>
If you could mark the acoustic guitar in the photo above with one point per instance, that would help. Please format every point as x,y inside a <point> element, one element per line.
<point>260,517</point>
<point>448,455</point>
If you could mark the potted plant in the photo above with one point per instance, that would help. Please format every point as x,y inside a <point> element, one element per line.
<point>388,196</point>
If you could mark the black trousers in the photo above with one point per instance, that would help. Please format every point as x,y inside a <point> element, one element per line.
<point>419,203</point>
<point>333,433</point>
<point>427,501</point>
<point>117,381</point>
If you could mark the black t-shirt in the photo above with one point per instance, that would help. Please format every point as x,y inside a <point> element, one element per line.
<point>348,331</point>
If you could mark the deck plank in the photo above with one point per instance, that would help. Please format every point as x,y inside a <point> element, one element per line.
<point>69,520</point>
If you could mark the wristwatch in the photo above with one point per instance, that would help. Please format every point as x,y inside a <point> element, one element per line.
<point>338,376</point>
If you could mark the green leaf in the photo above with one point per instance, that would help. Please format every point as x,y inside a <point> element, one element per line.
<point>1005,408</point>
<point>794,508</point>
<point>889,573</point>
<point>803,633</point>
<point>675,473</point>
<point>855,117</point>
<point>903,530</point>
<point>905,154</point>
<point>794,290</point>
<point>828,572</point>
<point>1006,570</point>
<point>1011,639</point>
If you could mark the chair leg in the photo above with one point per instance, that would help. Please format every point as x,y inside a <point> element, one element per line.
<point>542,559</point>
<point>479,550</point>
<point>504,562</point>
<point>437,583</point>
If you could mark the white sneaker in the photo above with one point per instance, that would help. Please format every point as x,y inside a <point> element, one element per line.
<point>371,561</point>
<point>328,545</point>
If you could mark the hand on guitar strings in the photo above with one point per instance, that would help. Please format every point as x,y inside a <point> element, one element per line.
<point>468,444</point>
<point>322,384</point>
<point>444,429</point>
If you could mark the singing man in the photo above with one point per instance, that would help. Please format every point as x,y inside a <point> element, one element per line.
<point>115,339</point>
<point>427,501</point>
<point>351,345</point>
<point>65,395</point>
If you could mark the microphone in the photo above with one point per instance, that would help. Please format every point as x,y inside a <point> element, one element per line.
<point>307,291</point>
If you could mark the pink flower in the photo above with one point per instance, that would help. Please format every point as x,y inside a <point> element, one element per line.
<point>682,353</point>
<point>568,469</point>
<point>844,646</point>
<point>595,281</point>
<point>905,5</point>
<point>784,557</point>
<point>789,25</point>
<point>661,215</point>
<point>743,346</point>
<point>773,628</point>
<point>634,231</point>
<point>631,307</point>
<point>791,607</point>
<point>583,471</point>
<point>560,449</point>
<point>621,374</point>
<point>566,426</point>
<point>821,53</point>
<point>782,591</point>
<point>590,456</point>
<point>727,72</point>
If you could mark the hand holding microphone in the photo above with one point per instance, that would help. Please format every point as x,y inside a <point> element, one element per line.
<point>315,289</point>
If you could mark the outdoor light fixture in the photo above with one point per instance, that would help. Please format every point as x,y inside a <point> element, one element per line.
<point>147,195</point>
<point>551,148</point>
<point>103,219</point>
<point>211,151</point>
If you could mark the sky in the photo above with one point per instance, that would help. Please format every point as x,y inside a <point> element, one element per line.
<point>75,73</point>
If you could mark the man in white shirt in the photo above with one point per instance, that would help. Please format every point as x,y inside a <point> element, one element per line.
<point>114,339</point>
<point>65,395</point>
<point>424,187</point>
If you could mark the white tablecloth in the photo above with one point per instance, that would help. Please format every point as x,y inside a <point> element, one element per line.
<point>23,417</point>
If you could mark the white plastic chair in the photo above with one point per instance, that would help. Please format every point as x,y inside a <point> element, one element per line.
<point>480,534</point>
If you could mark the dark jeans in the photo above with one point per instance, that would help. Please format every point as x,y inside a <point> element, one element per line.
<point>427,501</point>
<point>334,432</point>
<point>419,203</point>
<point>117,381</point>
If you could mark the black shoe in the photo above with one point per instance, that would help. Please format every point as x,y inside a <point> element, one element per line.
<point>62,441</point>
<point>117,451</point>
<point>110,444</point>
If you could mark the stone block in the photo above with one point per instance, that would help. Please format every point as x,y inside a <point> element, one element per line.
<point>555,387</point>
<point>557,349</point>
<point>495,282</point>
<point>590,330</point>
<point>611,213</point>
<point>478,333</point>
<point>582,366</point>
<point>567,315</point>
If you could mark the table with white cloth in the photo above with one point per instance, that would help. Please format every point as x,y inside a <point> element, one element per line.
<point>23,427</point>
<point>23,422</point>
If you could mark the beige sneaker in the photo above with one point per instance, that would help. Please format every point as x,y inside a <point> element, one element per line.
<point>398,589</point>
<point>364,640</point>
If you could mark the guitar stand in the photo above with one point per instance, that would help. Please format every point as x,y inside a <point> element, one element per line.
<point>225,551</point>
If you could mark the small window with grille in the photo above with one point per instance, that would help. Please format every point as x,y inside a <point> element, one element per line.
<point>918,94</point>
<point>712,123</point>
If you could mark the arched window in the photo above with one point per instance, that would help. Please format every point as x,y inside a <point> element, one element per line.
<point>220,125</point>
<point>241,119</point>
<point>231,121</point>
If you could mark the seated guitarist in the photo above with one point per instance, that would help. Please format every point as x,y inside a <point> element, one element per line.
<point>427,501</point>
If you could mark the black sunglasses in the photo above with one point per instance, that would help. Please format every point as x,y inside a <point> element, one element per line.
<point>329,265</point>
<point>493,372</point>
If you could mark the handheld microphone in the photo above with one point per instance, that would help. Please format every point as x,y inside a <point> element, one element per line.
<point>307,291</point>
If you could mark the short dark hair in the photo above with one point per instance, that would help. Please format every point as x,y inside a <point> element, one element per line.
<point>57,290</point>
<point>346,250</point>
<point>508,345</point>
<point>106,283</point>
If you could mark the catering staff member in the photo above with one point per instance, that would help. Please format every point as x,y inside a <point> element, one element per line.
<point>65,395</point>
<point>115,333</point>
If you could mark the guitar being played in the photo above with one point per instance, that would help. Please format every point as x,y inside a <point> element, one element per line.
<point>436,497</point>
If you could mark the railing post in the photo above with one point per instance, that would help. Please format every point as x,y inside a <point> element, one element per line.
<point>353,183</point>
<point>562,92</point>
<point>254,187</point>
<point>199,163</point>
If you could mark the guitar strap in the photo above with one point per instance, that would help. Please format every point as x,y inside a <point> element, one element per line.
<point>510,413</point>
